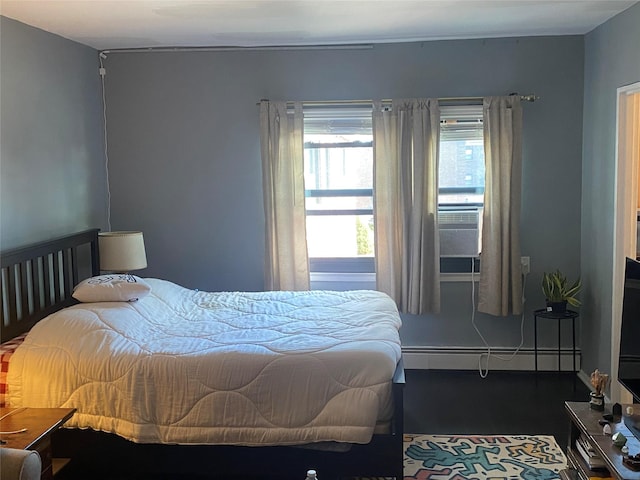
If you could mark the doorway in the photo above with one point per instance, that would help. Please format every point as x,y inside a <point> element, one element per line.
<point>627,208</point>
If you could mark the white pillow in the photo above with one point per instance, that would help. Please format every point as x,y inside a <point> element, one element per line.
<point>111,288</point>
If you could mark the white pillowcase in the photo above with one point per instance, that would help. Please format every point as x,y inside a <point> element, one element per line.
<point>111,288</point>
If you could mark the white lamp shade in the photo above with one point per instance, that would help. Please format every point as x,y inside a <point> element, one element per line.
<point>121,251</point>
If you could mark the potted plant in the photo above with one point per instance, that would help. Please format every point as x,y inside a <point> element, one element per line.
<point>599,382</point>
<point>558,292</point>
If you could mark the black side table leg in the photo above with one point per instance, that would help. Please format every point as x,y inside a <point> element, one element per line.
<point>535,340</point>
<point>559,349</point>
<point>573,326</point>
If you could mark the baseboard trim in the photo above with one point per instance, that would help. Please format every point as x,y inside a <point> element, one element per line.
<point>468,358</point>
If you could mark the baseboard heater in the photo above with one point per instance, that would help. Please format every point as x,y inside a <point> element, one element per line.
<point>466,358</point>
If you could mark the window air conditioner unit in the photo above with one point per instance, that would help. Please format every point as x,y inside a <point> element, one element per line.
<point>459,233</point>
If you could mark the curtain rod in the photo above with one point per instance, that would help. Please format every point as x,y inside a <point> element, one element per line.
<point>237,48</point>
<point>524,98</point>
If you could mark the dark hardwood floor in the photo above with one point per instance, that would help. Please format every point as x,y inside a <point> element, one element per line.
<point>435,401</point>
<point>462,402</point>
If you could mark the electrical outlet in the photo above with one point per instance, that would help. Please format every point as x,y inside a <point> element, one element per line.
<point>525,263</point>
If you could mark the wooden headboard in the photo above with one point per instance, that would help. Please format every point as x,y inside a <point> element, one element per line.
<point>38,279</point>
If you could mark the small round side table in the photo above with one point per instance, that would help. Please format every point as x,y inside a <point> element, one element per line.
<point>559,316</point>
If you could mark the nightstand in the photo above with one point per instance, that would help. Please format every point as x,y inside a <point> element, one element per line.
<point>34,427</point>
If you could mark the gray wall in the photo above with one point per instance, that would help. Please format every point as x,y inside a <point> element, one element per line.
<point>185,159</point>
<point>612,60</point>
<point>51,160</point>
<point>185,164</point>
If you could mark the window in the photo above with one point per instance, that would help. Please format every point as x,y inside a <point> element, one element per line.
<point>338,175</point>
<point>461,191</point>
<point>461,172</point>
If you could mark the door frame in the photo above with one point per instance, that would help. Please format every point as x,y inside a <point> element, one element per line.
<point>626,163</point>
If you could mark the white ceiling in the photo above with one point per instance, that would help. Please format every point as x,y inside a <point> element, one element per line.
<point>112,24</point>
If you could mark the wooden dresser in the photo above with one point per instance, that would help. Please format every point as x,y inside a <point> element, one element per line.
<point>584,425</point>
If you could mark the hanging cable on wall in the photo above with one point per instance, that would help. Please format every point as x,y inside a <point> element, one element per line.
<point>102,56</point>
<point>485,371</point>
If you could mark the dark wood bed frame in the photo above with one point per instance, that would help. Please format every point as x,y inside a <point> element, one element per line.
<point>38,280</point>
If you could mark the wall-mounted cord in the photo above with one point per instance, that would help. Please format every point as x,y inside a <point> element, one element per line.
<point>103,72</point>
<point>488,354</point>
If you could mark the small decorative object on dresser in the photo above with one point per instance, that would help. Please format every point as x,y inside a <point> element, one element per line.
<point>619,439</point>
<point>599,382</point>
<point>632,461</point>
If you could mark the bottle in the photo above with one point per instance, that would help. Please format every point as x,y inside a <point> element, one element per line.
<point>311,475</point>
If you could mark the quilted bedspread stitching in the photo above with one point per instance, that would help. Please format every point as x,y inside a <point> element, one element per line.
<point>262,341</point>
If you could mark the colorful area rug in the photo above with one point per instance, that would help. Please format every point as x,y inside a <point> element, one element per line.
<point>482,457</point>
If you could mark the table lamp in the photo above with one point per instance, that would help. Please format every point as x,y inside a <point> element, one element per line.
<point>121,252</point>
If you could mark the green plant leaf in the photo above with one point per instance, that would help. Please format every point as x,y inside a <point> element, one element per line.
<point>555,288</point>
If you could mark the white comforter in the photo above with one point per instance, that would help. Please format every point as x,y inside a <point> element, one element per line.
<point>182,366</point>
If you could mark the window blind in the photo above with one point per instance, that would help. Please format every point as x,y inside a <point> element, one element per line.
<point>461,122</point>
<point>338,121</point>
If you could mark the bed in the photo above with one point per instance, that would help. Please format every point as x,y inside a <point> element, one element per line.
<point>227,384</point>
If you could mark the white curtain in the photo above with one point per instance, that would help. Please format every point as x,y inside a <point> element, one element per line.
<point>406,143</point>
<point>281,139</point>
<point>500,288</point>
